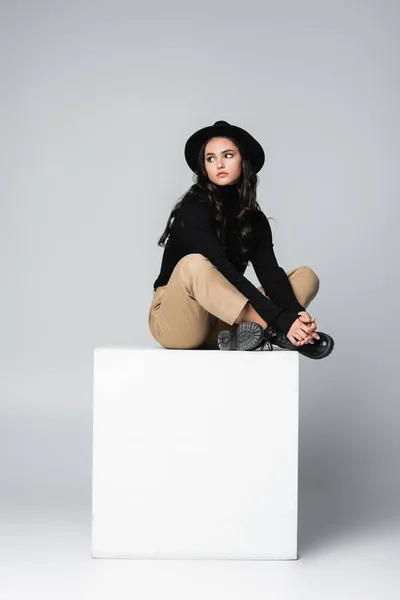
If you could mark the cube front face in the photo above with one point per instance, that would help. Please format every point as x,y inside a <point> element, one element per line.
<point>195,454</point>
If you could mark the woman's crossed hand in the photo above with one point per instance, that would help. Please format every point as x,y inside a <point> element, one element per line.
<point>303,330</point>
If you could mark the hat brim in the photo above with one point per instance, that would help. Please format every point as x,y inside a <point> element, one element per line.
<point>253,149</point>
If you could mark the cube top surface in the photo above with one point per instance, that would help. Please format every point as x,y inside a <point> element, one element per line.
<point>160,349</point>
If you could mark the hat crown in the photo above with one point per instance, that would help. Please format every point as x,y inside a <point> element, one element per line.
<point>251,147</point>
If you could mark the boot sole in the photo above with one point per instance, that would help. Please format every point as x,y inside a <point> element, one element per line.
<point>247,336</point>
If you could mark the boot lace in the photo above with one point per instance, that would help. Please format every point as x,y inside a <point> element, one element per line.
<point>268,334</point>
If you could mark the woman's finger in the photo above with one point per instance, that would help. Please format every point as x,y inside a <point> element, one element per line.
<point>307,330</point>
<point>302,335</point>
<point>305,319</point>
<point>311,330</point>
<point>308,340</point>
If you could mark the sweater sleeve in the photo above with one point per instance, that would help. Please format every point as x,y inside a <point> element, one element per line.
<point>273,278</point>
<point>196,233</point>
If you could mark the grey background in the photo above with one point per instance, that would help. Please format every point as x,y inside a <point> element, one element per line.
<point>97,101</point>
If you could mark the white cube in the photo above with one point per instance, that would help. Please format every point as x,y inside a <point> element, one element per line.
<point>195,454</point>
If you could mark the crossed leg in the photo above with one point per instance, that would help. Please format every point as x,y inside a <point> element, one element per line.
<point>198,302</point>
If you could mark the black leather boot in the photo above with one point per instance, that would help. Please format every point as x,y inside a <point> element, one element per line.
<point>320,349</point>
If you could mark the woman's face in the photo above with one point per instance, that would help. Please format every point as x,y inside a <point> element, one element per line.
<point>221,155</point>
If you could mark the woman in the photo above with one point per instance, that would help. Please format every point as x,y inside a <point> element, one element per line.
<point>201,297</point>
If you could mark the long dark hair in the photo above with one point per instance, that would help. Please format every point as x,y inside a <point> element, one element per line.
<point>248,204</point>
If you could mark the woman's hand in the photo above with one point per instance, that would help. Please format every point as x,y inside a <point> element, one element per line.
<point>303,330</point>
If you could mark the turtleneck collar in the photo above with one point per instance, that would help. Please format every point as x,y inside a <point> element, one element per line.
<point>230,196</point>
<point>228,190</point>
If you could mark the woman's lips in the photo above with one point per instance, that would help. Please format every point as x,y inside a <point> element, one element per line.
<point>222,174</point>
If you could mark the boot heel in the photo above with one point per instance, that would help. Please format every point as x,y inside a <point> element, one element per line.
<point>249,336</point>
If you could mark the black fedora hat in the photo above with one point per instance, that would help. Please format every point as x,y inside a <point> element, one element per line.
<point>252,148</point>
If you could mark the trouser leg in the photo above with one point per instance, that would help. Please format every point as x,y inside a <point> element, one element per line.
<point>197,296</point>
<point>305,284</point>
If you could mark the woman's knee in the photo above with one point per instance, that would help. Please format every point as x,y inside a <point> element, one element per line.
<point>192,262</point>
<point>311,275</point>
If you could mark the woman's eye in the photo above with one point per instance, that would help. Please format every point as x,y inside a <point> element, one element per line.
<point>228,154</point>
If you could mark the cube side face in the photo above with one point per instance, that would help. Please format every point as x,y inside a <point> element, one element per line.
<point>193,457</point>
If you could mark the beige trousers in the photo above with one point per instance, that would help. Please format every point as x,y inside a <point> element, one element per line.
<point>198,302</point>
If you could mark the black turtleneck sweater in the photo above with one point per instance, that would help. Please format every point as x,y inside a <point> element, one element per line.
<point>193,231</point>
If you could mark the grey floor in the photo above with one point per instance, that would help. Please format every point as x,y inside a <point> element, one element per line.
<point>49,557</point>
